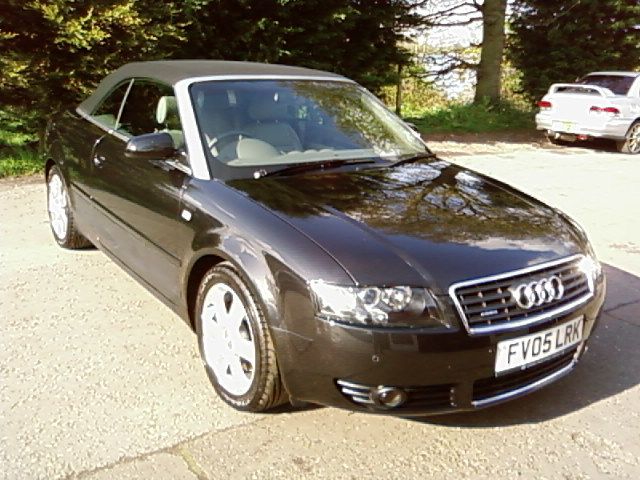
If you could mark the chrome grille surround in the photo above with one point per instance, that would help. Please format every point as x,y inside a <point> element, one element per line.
<point>475,300</point>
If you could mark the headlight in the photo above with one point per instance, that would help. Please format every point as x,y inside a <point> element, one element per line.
<point>590,266</point>
<point>387,306</point>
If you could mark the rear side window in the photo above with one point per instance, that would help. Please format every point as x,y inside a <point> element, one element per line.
<point>139,115</point>
<point>618,84</point>
<point>107,112</point>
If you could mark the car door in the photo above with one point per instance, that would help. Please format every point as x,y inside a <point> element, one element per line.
<point>81,132</point>
<point>142,198</point>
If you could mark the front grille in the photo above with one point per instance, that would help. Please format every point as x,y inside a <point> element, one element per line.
<point>487,305</point>
<point>495,386</point>
<point>431,397</point>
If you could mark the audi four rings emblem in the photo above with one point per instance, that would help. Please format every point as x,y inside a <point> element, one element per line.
<point>539,292</point>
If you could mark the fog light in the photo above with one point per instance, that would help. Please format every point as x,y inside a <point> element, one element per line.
<point>388,397</point>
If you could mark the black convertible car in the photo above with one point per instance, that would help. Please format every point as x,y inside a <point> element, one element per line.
<point>317,247</point>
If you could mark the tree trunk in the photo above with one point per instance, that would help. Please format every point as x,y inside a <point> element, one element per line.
<point>489,70</point>
<point>399,92</point>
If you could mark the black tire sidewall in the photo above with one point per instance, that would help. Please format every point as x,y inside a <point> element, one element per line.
<point>226,274</point>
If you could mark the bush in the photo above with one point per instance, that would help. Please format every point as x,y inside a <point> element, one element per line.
<point>475,118</point>
<point>18,147</point>
<point>16,161</point>
<point>418,97</point>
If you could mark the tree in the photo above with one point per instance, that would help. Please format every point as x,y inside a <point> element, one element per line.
<point>490,67</point>
<point>55,51</point>
<point>469,13</point>
<point>356,38</point>
<point>565,39</point>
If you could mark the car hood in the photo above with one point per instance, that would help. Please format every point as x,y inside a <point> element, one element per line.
<point>429,222</point>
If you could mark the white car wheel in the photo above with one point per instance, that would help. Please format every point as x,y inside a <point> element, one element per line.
<point>235,342</point>
<point>228,339</point>
<point>631,144</point>
<point>57,203</point>
<point>61,215</point>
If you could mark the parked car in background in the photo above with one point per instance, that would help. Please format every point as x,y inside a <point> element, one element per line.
<point>599,105</point>
<point>316,246</point>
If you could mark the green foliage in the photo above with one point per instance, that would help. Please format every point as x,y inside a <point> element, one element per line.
<point>476,118</point>
<point>559,41</point>
<point>16,161</point>
<point>18,145</point>
<point>511,85</point>
<point>55,51</point>
<point>418,97</point>
<point>14,128</point>
<point>356,38</point>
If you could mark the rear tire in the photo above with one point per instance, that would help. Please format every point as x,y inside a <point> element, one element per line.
<point>631,143</point>
<point>555,141</point>
<point>61,218</point>
<point>235,342</point>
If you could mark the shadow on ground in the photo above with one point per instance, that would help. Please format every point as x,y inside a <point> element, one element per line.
<point>597,145</point>
<point>491,138</point>
<point>609,367</point>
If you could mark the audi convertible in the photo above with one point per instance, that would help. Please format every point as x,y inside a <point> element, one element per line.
<point>317,247</point>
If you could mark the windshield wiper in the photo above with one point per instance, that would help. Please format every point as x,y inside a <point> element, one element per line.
<point>414,158</point>
<point>305,167</point>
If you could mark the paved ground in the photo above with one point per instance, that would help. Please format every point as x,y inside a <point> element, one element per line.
<point>98,380</point>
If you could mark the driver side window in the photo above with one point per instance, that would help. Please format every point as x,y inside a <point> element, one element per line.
<point>151,107</point>
<point>107,112</point>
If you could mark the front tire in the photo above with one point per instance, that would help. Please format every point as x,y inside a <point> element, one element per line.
<point>61,219</point>
<point>235,342</point>
<point>631,143</point>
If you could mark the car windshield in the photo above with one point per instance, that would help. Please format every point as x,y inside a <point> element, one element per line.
<point>264,123</point>
<point>618,84</point>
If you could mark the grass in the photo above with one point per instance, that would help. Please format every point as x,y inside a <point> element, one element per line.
<point>462,118</point>
<point>18,146</point>
<point>19,160</point>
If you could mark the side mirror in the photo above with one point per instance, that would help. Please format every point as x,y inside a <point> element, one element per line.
<point>151,146</point>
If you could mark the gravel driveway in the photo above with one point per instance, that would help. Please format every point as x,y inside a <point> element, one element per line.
<point>101,381</point>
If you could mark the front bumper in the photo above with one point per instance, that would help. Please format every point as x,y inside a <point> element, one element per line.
<point>440,372</point>
<point>614,128</point>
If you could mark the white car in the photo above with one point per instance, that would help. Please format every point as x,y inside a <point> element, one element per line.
<point>599,105</point>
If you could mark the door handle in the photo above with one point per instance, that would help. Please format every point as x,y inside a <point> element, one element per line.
<point>98,160</point>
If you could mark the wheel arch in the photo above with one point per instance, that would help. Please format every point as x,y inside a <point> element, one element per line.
<point>251,266</point>
<point>635,121</point>
<point>48,164</point>
<point>197,271</point>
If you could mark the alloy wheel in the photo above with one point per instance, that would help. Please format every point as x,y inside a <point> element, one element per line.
<point>57,204</point>
<point>634,139</point>
<point>228,339</point>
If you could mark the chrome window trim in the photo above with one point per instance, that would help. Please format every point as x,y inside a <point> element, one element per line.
<point>123,103</point>
<point>108,130</point>
<point>533,320</point>
<point>485,402</point>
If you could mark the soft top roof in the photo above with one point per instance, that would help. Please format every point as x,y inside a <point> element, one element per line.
<point>173,71</point>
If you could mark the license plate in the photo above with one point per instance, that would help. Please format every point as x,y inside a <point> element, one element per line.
<point>562,126</point>
<point>524,351</point>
